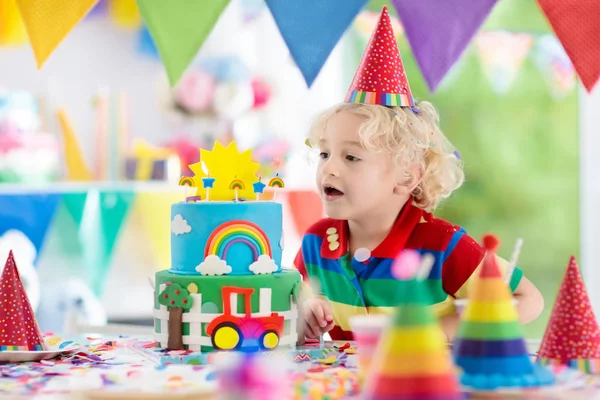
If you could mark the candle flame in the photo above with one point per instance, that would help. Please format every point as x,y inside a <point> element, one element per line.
<point>204,169</point>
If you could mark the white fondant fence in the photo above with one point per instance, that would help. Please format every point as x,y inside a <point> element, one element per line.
<point>195,318</point>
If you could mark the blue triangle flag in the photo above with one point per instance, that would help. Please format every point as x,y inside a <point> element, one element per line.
<point>312,28</point>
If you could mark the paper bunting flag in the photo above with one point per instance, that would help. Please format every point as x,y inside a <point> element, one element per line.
<point>31,214</point>
<point>48,22</point>
<point>489,346</point>
<point>19,330</point>
<point>553,62</point>
<point>76,168</point>
<point>502,55</point>
<point>312,28</point>
<point>439,31</point>
<point>572,336</point>
<point>576,23</point>
<point>12,30</point>
<point>125,13</point>
<point>179,28</point>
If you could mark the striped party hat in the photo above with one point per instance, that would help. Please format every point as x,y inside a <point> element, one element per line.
<point>380,77</point>
<point>489,347</point>
<point>572,336</point>
<point>412,360</point>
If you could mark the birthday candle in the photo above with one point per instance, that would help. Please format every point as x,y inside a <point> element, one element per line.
<point>276,182</point>
<point>259,187</point>
<point>236,185</point>
<point>186,181</point>
<point>207,182</point>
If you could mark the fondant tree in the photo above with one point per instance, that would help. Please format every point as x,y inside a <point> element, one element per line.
<point>176,299</point>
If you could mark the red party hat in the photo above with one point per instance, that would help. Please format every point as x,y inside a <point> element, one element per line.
<point>572,336</point>
<point>18,328</point>
<point>380,78</point>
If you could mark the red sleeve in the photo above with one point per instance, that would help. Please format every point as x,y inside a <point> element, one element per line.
<point>461,258</point>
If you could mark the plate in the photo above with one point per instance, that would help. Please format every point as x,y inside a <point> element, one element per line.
<point>55,346</point>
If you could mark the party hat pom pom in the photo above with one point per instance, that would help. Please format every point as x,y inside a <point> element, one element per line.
<point>490,242</point>
<point>406,265</point>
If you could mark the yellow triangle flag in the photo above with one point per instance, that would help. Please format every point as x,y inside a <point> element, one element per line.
<point>48,22</point>
<point>12,31</point>
<point>76,168</point>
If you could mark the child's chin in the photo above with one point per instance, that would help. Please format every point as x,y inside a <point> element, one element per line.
<point>335,212</point>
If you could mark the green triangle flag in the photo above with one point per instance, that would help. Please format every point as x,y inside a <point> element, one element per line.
<point>75,204</point>
<point>179,27</point>
<point>100,231</point>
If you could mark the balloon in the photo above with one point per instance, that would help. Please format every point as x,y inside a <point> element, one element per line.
<point>262,93</point>
<point>195,91</point>
<point>233,99</point>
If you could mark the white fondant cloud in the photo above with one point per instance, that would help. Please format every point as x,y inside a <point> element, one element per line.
<point>213,265</point>
<point>264,265</point>
<point>179,226</point>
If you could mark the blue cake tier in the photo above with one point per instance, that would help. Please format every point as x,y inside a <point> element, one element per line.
<point>226,238</point>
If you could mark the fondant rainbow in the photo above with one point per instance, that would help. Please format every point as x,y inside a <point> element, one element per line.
<point>276,181</point>
<point>186,180</point>
<point>225,235</point>
<point>237,184</point>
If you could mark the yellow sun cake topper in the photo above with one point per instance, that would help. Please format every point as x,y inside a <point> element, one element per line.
<point>226,164</point>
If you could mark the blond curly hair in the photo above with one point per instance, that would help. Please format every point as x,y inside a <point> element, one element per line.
<point>410,137</point>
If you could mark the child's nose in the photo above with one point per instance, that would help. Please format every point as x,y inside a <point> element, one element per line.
<point>331,167</point>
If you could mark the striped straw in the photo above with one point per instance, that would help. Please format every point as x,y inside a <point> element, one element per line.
<point>513,259</point>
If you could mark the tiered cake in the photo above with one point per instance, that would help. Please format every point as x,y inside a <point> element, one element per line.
<point>226,289</point>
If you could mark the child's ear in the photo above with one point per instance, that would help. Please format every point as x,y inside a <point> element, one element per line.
<point>408,180</point>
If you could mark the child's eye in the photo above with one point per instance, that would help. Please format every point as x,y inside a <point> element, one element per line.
<point>323,155</point>
<point>352,158</point>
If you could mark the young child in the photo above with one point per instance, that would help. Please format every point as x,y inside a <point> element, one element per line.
<point>383,162</point>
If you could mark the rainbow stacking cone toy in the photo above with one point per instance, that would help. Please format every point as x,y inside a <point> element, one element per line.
<point>412,361</point>
<point>489,347</point>
<point>572,336</point>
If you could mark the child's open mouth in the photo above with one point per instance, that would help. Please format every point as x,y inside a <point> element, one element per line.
<point>332,193</point>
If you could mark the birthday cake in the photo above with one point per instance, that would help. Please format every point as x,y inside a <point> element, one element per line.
<point>226,289</point>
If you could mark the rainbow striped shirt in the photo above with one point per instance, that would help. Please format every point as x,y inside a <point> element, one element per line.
<point>354,288</point>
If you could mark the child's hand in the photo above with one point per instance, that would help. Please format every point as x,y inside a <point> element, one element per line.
<point>317,318</point>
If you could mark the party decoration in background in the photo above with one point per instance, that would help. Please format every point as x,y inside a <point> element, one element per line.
<point>125,13</point>
<point>312,28</point>
<point>439,32</point>
<point>179,27</point>
<point>553,62</point>
<point>145,43</point>
<point>154,212</point>
<point>99,217</point>
<point>575,23</point>
<point>19,330</point>
<point>572,336</point>
<point>502,55</point>
<point>76,169</point>
<point>25,255</point>
<point>30,214</point>
<point>48,22</point>
<point>147,162</point>
<point>12,30</point>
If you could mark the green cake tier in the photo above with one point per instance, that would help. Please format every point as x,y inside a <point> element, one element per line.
<point>227,312</point>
